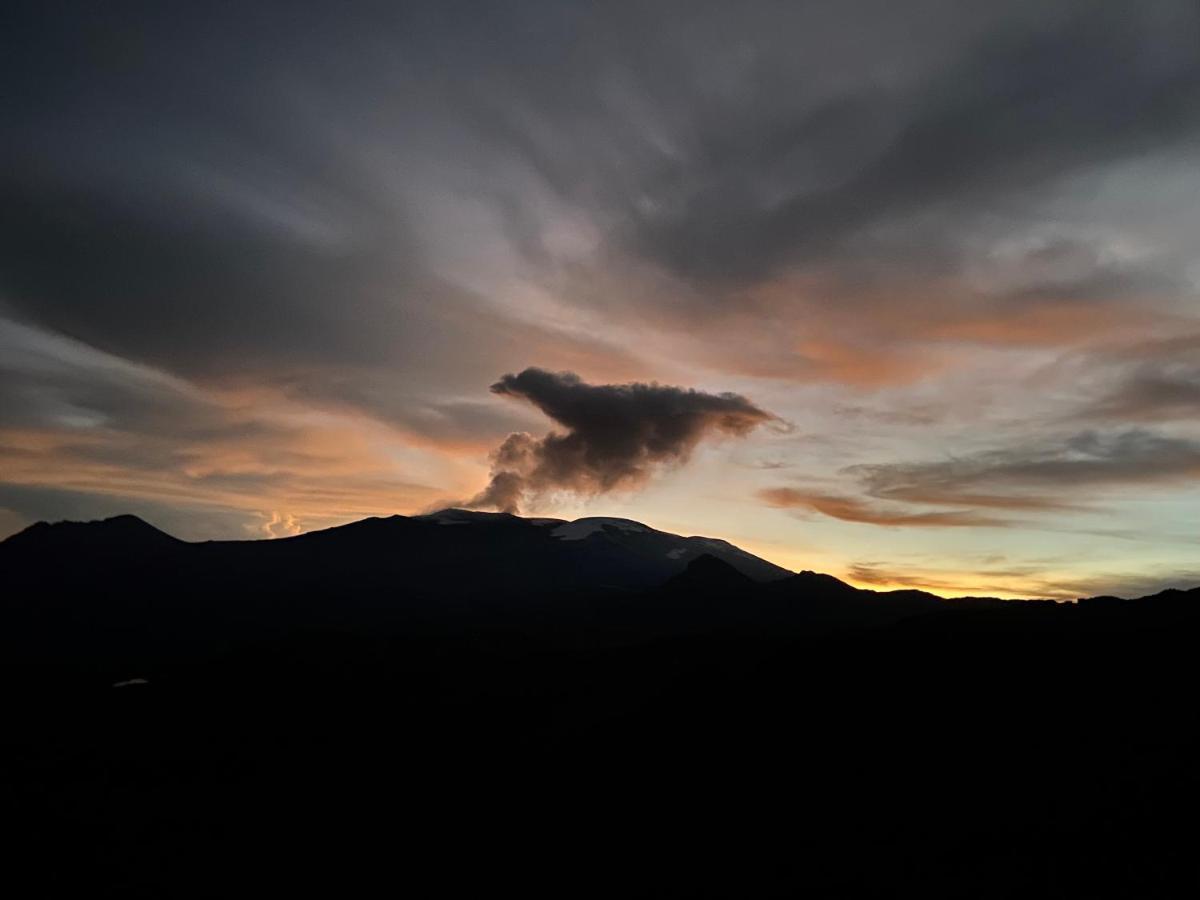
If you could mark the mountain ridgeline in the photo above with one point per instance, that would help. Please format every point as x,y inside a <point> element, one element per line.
<point>120,589</point>
<point>99,588</point>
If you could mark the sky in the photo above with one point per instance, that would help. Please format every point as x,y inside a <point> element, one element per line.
<point>902,292</point>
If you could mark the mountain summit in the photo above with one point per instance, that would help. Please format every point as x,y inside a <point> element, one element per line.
<point>103,535</point>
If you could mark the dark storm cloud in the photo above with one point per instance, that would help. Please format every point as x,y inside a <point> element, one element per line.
<point>615,435</point>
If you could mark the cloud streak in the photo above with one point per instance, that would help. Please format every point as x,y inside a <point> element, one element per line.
<point>1040,478</point>
<point>850,509</point>
<point>1035,476</point>
<point>1146,381</point>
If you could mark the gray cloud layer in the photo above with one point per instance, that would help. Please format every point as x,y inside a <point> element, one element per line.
<point>1030,478</point>
<point>616,435</point>
<point>1011,111</point>
<point>281,188</point>
<point>1157,380</point>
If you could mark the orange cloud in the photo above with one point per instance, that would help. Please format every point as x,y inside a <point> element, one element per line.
<point>302,474</point>
<point>849,509</point>
<point>1045,325</point>
<point>876,333</point>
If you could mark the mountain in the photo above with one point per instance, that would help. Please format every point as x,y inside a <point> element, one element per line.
<point>634,554</point>
<point>452,551</point>
<point>121,590</point>
<point>712,595</point>
<point>118,534</point>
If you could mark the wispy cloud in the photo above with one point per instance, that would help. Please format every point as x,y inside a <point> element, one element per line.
<point>849,509</point>
<point>1057,477</point>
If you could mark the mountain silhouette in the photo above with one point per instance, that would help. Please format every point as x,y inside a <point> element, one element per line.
<point>449,552</point>
<point>121,592</point>
<point>119,534</point>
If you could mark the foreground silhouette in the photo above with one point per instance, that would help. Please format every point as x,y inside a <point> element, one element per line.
<point>470,702</point>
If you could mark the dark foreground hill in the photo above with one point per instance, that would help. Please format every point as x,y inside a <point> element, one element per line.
<point>280,728</point>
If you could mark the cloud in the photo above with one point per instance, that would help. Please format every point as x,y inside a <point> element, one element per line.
<point>1024,582</point>
<point>276,524</point>
<point>668,168</point>
<point>1038,475</point>
<point>1145,381</point>
<point>849,509</point>
<point>1046,477</point>
<point>115,436</point>
<point>1153,396</point>
<point>707,170</point>
<point>925,189</point>
<point>615,437</point>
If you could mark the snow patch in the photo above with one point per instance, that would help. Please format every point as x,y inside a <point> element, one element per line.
<point>718,544</point>
<point>581,528</point>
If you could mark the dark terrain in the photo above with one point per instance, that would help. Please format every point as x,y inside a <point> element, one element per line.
<point>471,704</point>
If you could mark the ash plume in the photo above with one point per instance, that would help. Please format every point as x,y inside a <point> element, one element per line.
<point>612,437</point>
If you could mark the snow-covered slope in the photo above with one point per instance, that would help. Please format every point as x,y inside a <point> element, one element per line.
<point>630,551</point>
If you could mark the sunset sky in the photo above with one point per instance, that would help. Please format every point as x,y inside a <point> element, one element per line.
<point>906,292</point>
